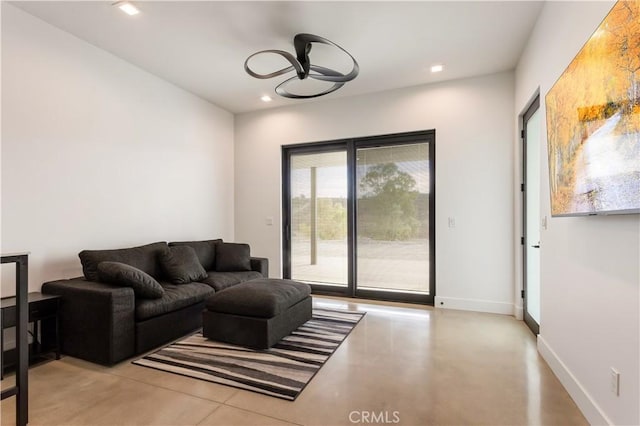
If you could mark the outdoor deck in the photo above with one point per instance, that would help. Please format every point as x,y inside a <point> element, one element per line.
<point>393,265</point>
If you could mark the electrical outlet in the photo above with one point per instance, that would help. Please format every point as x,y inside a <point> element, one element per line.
<point>269,221</point>
<point>615,382</point>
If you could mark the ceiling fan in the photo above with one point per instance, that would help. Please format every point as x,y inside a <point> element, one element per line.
<point>301,64</point>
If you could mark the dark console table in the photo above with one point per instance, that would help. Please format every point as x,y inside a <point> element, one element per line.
<point>21,389</point>
<point>42,307</point>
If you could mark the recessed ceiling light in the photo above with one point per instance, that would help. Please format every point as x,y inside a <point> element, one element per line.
<point>437,68</point>
<point>266,98</point>
<point>127,7</point>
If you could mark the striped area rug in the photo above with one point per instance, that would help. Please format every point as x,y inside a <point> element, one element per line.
<point>281,371</point>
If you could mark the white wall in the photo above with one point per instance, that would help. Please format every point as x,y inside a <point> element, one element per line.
<point>590,267</point>
<point>97,153</point>
<point>474,151</point>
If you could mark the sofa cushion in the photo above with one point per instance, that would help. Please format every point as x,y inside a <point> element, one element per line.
<point>221,280</point>
<point>144,258</point>
<point>121,274</point>
<point>233,257</point>
<point>259,298</point>
<point>206,251</point>
<point>176,296</point>
<point>181,265</point>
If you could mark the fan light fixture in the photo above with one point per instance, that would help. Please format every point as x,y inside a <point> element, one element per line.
<point>302,65</point>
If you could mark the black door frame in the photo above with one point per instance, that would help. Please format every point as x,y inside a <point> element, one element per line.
<point>314,148</point>
<point>526,245</point>
<point>350,146</point>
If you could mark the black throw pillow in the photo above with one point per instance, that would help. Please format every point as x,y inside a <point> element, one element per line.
<point>232,257</point>
<point>206,251</point>
<point>181,265</point>
<point>143,284</point>
<point>142,257</point>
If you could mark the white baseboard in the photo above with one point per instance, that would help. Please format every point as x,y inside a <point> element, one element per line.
<point>474,305</point>
<point>9,337</point>
<point>583,400</point>
<point>518,312</point>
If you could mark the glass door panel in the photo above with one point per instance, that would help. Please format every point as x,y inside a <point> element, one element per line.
<point>532,219</point>
<point>318,218</point>
<point>392,219</point>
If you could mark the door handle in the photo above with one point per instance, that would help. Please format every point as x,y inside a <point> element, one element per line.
<point>536,246</point>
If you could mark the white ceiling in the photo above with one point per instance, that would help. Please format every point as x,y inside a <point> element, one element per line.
<point>201,46</point>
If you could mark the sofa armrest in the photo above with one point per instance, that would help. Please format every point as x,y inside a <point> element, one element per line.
<point>96,320</point>
<point>260,264</point>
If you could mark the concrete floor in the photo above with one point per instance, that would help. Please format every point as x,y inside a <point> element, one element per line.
<point>403,364</point>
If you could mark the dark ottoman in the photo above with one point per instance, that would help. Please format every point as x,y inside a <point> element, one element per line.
<point>257,313</point>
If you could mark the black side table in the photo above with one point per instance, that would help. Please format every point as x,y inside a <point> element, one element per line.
<point>21,388</point>
<point>42,307</point>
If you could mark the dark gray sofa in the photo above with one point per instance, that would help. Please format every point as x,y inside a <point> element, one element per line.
<point>106,323</point>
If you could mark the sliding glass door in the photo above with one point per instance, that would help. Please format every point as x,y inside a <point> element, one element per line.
<point>358,216</point>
